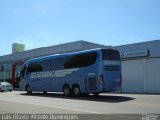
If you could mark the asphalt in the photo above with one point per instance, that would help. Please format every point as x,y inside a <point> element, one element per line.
<point>105,106</point>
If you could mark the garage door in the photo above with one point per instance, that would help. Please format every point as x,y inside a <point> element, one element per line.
<point>153,75</point>
<point>133,76</point>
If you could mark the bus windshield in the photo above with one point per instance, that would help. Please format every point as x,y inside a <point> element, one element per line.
<point>110,54</point>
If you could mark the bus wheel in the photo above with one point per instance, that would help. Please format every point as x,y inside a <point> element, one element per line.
<point>76,90</point>
<point>66,90</point>
<point>28,89</point>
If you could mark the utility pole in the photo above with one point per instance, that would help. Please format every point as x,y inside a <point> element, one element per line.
<point>4,72</point>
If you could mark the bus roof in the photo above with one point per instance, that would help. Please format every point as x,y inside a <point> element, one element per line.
<point>59,55</point>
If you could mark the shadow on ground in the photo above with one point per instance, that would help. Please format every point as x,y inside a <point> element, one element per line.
<point>100,98</point>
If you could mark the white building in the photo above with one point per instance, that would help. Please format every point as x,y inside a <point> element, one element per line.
<point>140,67</point>
<point>140,63</point>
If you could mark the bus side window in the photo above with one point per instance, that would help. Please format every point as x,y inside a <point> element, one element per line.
<point>34,67</point>
<point>82,60</point>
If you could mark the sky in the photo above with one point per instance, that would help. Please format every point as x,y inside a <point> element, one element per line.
<point>42,23</point>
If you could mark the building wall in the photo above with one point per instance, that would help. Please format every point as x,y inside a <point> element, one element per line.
<point>153,75</point>
<point>133,76</point>
<point>56,49</point>
<point>140,74</point>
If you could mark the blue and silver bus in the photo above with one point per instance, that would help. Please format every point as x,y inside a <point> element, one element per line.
<point>91,71</point>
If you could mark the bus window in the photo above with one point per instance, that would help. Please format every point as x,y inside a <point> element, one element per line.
<point>110,55</point>
<point>53,64</point>
<point>34,67</point>
<point>83,60</point>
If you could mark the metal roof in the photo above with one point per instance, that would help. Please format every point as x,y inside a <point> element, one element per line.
<point>44,51</point>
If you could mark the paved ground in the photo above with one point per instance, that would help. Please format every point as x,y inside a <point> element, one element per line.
<point>119,104</point>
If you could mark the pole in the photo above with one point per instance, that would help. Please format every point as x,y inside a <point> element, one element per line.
<point>4,72</point>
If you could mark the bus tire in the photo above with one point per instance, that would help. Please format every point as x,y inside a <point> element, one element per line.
<point>66,90</point>
<point>76,90</point>
<point>28,89</point>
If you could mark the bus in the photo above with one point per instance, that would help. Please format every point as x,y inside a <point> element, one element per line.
<point>85,72</point>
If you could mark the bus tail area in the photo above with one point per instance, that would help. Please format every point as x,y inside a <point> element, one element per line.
<point>110,79</point>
